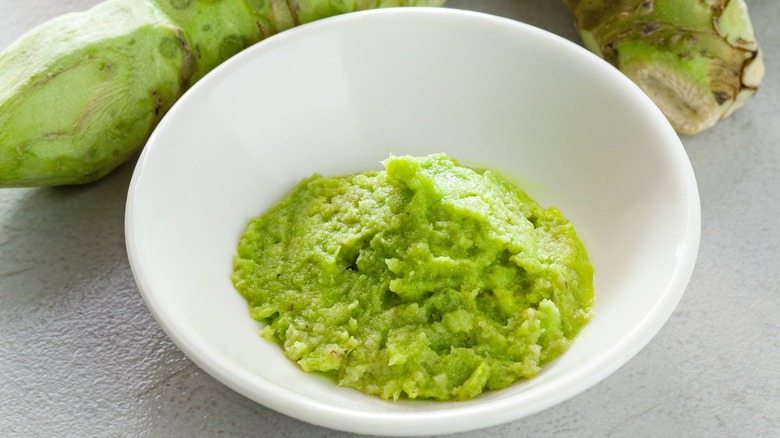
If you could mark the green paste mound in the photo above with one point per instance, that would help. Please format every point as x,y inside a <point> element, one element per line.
<point>425,280</point>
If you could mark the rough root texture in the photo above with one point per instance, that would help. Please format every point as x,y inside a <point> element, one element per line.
<point>698,60</point>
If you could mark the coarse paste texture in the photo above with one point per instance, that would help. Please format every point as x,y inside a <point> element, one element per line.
<point>425,280</point>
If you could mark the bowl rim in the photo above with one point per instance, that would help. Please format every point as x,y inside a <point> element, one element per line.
<point>458,418</point>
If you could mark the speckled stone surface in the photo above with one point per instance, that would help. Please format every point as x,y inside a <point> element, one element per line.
<point>80,355</point>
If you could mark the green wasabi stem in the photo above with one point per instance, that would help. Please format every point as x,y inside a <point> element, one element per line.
<point>698,60</point>
<point>81,94</point>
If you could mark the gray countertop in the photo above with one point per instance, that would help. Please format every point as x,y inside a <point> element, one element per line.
<point>81,355</point>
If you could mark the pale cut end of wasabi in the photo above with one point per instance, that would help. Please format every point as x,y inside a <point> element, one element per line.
<point>698,60</point>
<point>78,94</point>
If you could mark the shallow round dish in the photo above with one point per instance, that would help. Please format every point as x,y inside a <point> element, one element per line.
<point>338,96</point>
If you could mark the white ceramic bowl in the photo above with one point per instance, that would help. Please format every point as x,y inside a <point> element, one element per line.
<point>340,95</point>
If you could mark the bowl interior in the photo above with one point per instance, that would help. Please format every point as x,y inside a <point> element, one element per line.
<point>342,94</point>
